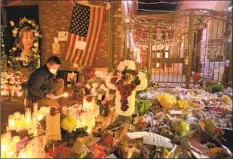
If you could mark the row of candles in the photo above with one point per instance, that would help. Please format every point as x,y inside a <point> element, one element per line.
<point>29,121</point>
<point>20,122</point>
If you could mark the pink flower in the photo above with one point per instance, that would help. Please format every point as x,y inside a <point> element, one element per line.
<point>79,84</point>
<point>104,102</point>
<point>219,130</point>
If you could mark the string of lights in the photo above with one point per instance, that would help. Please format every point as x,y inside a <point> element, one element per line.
<point>160,2</point>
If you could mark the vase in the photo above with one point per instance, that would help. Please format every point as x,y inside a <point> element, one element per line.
<point>131,104</point>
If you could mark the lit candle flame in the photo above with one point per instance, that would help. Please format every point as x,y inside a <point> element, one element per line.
<point>63,95</point>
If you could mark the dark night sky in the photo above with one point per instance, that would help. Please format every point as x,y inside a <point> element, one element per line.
<point>161,6</point>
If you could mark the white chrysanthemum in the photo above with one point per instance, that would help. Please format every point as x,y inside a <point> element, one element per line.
<point>99,74</point>
<point>143,81</point>
<point>102,86</point>
<point>36,34</point>
<point>36,44</point>
<point>95,84</point>
<point>130,64</point>
<point>93,92</point>
<point>14,31</point>
<point>99,97</point>
<point>121,66</point>
<point>88,86</point>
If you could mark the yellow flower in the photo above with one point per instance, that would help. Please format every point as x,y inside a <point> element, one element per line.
<point>226,99</point>
<point>183,104</point>
<point>36,44</point>
<point>14,31</point>
<point>36,34</point>
<point>167,100</point>
<point>29,22</point>
<point>12,23</point>
<point>69,123</point>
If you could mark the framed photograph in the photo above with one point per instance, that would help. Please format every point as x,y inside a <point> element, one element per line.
<point>71,76</point>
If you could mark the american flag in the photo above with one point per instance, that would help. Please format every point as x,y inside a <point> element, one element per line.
<point>84,34</point>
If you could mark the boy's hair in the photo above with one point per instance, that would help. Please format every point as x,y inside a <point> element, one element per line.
<point>54,60</point>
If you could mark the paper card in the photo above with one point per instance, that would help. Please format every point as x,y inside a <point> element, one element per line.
<point>80,45</point>
<point>157,140</point>
<point>176,112</point>
<point>56,48</point>
<point>53,128</point>
<point>112,156</point>
<point>63,35</point>
<point>197,155</point>
<point>55,39</point>
<point>137,135</point>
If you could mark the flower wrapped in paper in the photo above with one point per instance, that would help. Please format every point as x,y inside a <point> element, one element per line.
<point>167,100</point>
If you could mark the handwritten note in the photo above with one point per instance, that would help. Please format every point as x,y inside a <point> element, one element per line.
<point>157,140</point>
<point>81,45</point>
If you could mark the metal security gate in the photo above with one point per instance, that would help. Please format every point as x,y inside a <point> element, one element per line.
<point>173,46</point>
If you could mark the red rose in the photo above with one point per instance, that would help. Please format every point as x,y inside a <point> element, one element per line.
<point>89,99</point>
<point>113,80</point>
<point>196,76</point>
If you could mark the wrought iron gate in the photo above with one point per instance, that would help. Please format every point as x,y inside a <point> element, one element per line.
<point>173,46</point>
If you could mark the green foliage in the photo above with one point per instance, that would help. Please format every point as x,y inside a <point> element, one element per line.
<point>143,106</point>
<point>217,88</point>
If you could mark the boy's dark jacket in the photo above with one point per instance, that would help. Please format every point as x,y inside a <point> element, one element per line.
<point>39,83</point>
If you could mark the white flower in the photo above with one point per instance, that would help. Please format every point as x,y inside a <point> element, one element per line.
<point>88,86</point>
<point>36,44</point>
<point>36,34</point>
<point>99,97</point>
<point>12,23</point>
<point>35,49</point>
<point>93,92</point>
<point>14,49</point>
<point>143,81</point>
<point>3,45</point>
<point>102,86</point>
<point>130,64</point>
<point>121,66</point>
<point>95,84</point>
<point>14,31</point>
<point>99,74</point>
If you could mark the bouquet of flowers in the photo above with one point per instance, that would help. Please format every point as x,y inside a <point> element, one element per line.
<point>11,83</point>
